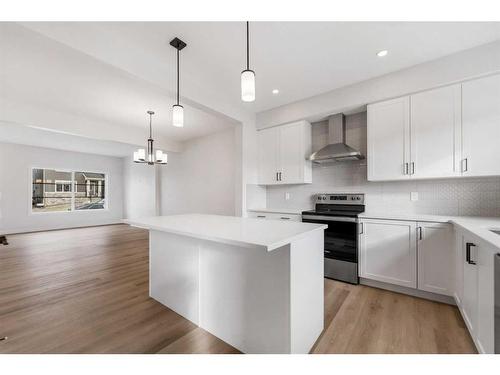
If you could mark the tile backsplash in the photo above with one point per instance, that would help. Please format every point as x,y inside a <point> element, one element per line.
<point>456,196</point>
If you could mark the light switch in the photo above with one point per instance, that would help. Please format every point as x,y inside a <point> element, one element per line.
<point>287,196</point>
<point>414,196</point>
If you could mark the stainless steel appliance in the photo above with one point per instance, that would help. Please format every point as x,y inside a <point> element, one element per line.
<point>497,303</point>
<point>336,149</point>
<point>340,212</point>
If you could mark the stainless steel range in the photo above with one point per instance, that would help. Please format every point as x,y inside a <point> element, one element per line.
<point>340,212</point>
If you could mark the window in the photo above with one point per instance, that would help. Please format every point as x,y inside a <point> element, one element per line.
<point>63,186</point>
<point>59,191</point>
<point>89,191</point>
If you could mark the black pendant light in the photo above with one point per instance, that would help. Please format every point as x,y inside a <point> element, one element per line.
<point>177,109</point>
<point>248,77</point>
<point>152,156</point>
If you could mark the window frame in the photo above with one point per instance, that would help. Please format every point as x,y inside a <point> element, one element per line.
<point>72,210</point>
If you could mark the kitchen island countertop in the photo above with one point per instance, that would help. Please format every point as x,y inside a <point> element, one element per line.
<point>232,230</point>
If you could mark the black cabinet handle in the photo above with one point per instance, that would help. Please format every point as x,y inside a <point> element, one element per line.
<point>468,259</point>
<point>284,218</point>
<point>420,236</point>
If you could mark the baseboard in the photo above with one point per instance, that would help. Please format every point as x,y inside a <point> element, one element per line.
<point>41,229</point>
<point>410,291</point>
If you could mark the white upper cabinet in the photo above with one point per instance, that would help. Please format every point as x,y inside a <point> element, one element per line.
<point>268,140</point>
<point>446,132</point>
<point>481,126</point>
<point>283,153</point>
<point>388,252</point>
<point>388,145</point>
<point>435,120</point>
<point>435,258</point>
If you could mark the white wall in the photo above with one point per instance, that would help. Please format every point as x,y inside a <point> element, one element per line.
<point>16,162</point>
<point>202,179</point>
<point>460,66</point>
<point>139,189</point>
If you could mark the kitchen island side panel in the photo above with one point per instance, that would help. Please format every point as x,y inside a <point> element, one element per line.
<point>245,296</point>
<point>174,272</point>
<point>306,291</point>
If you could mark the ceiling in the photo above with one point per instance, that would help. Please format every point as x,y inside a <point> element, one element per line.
<point>301,59</point>
<point>26,135</point>
<point>38,70</point>
<point>110,73</point>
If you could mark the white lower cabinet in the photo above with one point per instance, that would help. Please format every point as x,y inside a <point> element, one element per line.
<point>469,294</point>
<point>486,299</point>
<point>388,252</point>
<point>435,258</point>
<point>475,289</point>
<point>274,216</point>
<point>408,253</point>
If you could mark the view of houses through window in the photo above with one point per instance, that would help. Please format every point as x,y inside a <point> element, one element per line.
<point>56,191</point>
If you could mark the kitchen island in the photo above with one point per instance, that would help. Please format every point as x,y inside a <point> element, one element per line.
<point>256,284</point>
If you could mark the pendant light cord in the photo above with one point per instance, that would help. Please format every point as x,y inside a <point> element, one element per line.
<point>178,76</point>
<point>248,48</point>
<point>150,129</point>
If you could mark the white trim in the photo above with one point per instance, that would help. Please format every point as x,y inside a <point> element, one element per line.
<point>409,291</point>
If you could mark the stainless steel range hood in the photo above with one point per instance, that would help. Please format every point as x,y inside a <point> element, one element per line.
<point>336,150</point>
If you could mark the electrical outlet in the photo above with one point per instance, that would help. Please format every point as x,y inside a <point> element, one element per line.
<point>287,196</point>
<point>414,196</point>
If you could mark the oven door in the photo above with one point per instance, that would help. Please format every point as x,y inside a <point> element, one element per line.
<point>341,237</point>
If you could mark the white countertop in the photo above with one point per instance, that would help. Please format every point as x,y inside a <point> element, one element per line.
<point>286,211</point>
<point>479,226</point>
<point>411,217</point>
<point>246,232</point>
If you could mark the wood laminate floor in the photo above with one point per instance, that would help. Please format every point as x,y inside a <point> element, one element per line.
<point>86,291</point>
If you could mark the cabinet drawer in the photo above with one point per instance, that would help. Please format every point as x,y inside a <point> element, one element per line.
<point>288,217</point>
<point>274,216</point>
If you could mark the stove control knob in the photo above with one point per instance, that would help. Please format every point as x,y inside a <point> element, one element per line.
<point>324,198</point>
<point>358,198</point>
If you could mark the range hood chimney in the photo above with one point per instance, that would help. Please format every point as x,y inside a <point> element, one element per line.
<point>336,149</point>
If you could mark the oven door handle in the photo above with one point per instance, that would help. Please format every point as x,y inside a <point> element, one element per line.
<point>330,218</point>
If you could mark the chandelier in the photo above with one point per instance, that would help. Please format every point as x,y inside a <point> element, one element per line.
<point>150,156</point>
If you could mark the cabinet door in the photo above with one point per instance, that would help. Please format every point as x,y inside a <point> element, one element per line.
<point>291,158</point>
<point>388,140</point>
<point>481,126</point>
<point>388,252</point>
<point>459,266</point>
<point>469,298</point>
<point>268,156</point>
<point>486,299</point>
<point>435,258</point>
<point>435,133</point>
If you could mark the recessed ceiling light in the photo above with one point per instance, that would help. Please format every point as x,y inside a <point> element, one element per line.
<point>276,91</point>
<point>382,53</point>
